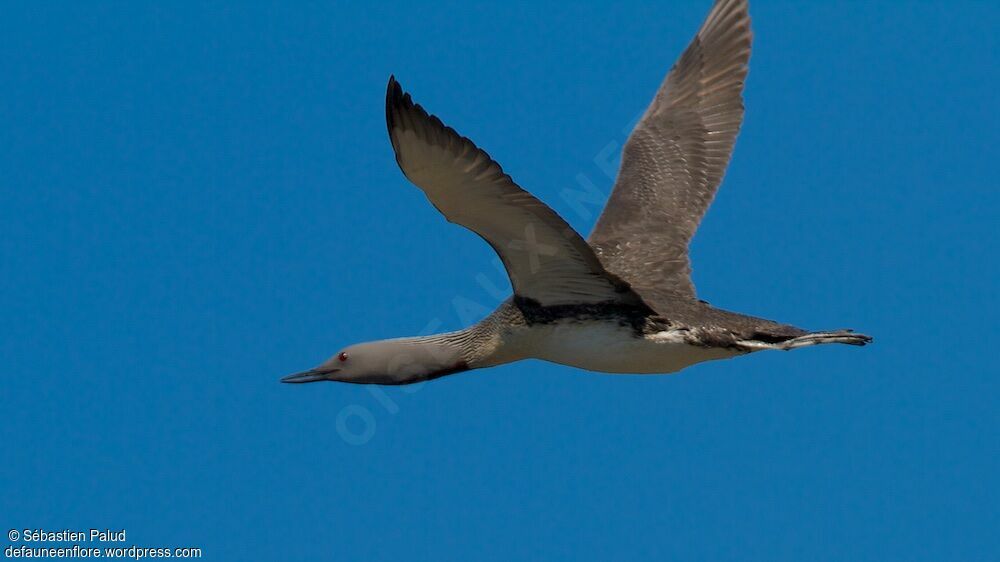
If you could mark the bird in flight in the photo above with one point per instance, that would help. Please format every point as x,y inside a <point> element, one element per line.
<point>621,301</point>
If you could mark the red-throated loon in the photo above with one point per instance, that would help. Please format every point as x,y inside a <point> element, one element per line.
<point>620,302</point>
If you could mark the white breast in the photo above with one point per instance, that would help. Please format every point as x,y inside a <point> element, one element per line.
<point>610,348</point>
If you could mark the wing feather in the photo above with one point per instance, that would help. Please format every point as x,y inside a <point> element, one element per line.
<point>546,260</point>
<point>675,158</point>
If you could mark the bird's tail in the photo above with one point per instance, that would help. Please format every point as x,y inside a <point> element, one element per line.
<point>848,337</point>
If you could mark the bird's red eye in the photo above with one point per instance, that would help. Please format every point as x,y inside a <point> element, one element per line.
<point>342,356</point>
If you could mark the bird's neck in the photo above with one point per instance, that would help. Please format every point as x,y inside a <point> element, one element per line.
<point>420,358</point>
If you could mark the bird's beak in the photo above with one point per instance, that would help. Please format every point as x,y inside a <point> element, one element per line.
<point>312,375</point>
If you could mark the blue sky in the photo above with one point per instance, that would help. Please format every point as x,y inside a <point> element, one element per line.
<point>196,200</point>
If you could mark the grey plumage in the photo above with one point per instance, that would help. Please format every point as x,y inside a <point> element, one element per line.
<point>674,160</point>
<point>671,167</point>
<point>545,258</point>
<point>622,301</point>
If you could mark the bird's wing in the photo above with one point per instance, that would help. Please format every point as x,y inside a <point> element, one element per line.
<point>546,260</point>
<point>675,158</point>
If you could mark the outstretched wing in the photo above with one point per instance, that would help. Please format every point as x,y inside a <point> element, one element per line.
<point>546,260</point>
<point>676,157</point>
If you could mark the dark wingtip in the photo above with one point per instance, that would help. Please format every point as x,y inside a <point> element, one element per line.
<point>397,104</point>
<point>393,93</point>
<point>392,89</point>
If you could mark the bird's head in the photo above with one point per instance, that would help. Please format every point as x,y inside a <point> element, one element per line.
<point>398,361</point>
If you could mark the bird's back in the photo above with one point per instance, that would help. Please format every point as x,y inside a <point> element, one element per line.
<point>717,327</point>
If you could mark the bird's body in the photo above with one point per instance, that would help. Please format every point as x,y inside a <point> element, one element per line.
<point>609,346</point>
<point>613,340</point>
<point>620,339</point>
<point>621,301</point>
